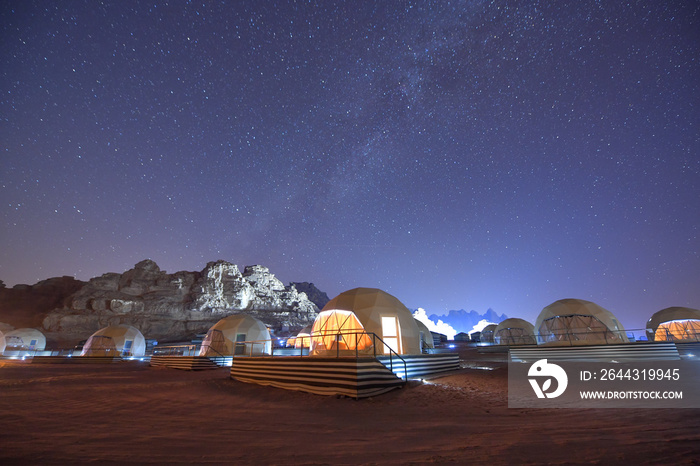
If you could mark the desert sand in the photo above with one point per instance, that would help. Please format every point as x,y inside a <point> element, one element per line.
<point>129,412</point>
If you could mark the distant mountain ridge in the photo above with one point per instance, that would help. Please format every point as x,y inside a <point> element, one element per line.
<point>464,321</point>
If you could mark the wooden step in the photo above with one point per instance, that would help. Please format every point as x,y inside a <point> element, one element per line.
<point>420,365</point>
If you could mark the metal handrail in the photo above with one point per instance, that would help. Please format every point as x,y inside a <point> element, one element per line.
<point>391,362</point>
<point>175,350</point>
<point>211,348</point>
<point>341,336</point>
<point>574,334</point>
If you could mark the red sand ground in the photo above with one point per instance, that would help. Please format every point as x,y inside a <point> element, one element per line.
<point>132,413</point>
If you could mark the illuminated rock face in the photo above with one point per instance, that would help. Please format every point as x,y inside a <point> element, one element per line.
<point>175,307</point>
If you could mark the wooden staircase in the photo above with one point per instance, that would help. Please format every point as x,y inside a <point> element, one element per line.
<point>420,365</point>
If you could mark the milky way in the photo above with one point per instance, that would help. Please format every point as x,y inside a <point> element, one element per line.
<point>454,154</point>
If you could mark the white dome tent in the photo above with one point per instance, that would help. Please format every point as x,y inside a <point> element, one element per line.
<point>514,331</point>
<point>487,333</point>
<point>680,324</point>
<point>237,335</point>
<point>426,338</point>
<point>576,322</point>
<point>346,322</point>
<point>115,340</point>
<point>25,340</point>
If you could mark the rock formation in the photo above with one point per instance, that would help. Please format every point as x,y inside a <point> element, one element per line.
<point>27,305</point>
<point>316,296</point>
<point>178,306</point>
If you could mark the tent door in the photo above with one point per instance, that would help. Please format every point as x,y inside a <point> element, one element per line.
<point>127,347</point>
<point>239,347</point>
<point>390,334</point>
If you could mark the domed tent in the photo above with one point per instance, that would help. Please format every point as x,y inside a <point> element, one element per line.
<point>674,324</point>
<point>302,339</point>
<point>487,333</point>
<point>237,334</point>
<point>346,322</point>
<point>514,332</point>
<point>426,338</point>
<point>115,340</point>
<point>25,339</point>
<point>578,322</point>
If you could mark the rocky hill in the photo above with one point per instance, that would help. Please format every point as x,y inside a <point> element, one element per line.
<point>316,296</point>
<point>28,305</point>
<point>176,307</point>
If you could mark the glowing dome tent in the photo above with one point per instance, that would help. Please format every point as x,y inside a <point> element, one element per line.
<point>302,339</point>
<point>237,335</point>
<point>514,332</point>
<point>487,333</point>
<point>674,324</point>
<point>25,339</point>
<point>346,323</point>
<point>578,322</point>
<point>426,338</point>
<point>115,340</point>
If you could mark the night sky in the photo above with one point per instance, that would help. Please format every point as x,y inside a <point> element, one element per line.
<point>471,154</point>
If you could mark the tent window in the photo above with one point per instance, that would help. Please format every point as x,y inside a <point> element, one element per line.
<point>339,330</point>
<point>576,327</point>
<point>678,330</point>
<point>99,345</point>
<point>14,341</point>
<point>390,334</point>
<point>127,346</point>
<point>240,346</point>
<point>514,336</point>
<point>214,344</point>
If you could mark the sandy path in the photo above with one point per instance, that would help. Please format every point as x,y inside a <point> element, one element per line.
<point>129,412</point>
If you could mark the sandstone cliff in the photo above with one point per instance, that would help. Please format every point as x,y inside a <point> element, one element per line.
<point>316,296</point>
<point>176,307</point>
<point>28,305</point>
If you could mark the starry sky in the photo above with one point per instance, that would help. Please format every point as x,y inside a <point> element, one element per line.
<point>456,154</point>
